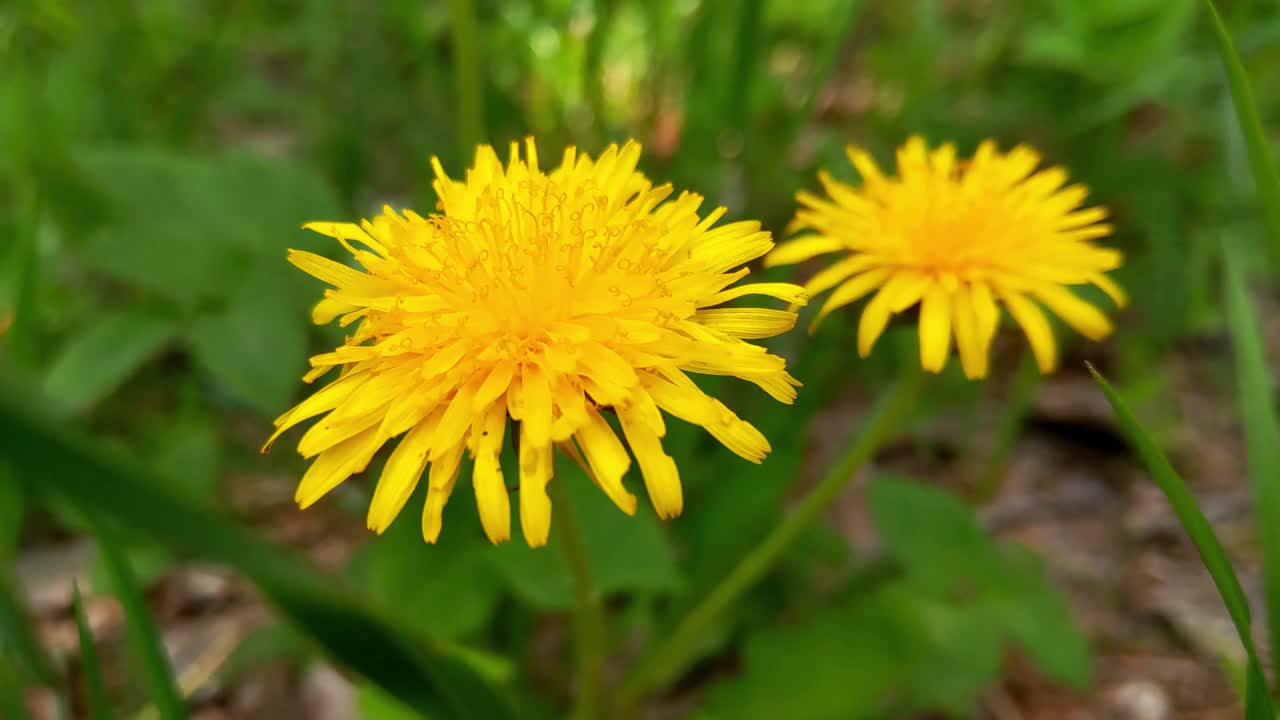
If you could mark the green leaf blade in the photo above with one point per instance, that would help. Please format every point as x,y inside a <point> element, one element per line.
<point>1201,533</point>
<point>1262,435</point>
<point>99,701</point>
<point>72,469</point>
<point>1261,160</point>
<point>164,693</point>
<point>96,362</point>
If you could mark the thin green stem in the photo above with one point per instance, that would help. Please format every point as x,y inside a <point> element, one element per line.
<point>1014,415</point>
<point>673,651</point>
<point>593,61</point>
<point>467,78</point>
<point>588,615</point>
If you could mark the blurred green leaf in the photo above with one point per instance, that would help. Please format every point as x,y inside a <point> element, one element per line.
<point>186,454</point>
<point>958,652</point>
<point>255,344</point>
<point>12,703</point>
<point>188,228</point>
<point>99,701</point>
<point>1035,614</point>
<point>99,359</point>
<point>627,554</point>
<point>951,556</point>
<point>455,598</point>
<point>847,662</point>
<point>163,689</point>
<point>1262,434</point>
<point>18,640</point>
<point>264,645</point>
<point>947,548</point>
<point>1261,158</point>
<point>374,704</point>
<point>1201,532</point>
<point>107,485</point>
<point>12,508</point>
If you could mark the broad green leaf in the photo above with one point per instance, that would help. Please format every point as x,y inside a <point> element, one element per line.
<point>958,654</point>
<point>255,344</point>
<point>948,547</point>
<point>397,658</point>
<point>187,455</point>
<point>189,227</point>
<point>1262,435</point>
<point>627,554</point>
<point>1033,612</point>
<point>1201,532</point>
<point>163,691</point>
<point>456,597</point>
<point>99,359</point>
<point>99,701</point>
<point>1261,157</point>
<point>843,664</point>
<point>165,231</point>
<point>948,554</point>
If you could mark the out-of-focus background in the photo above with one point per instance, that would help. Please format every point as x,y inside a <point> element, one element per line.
<point>158,156</point>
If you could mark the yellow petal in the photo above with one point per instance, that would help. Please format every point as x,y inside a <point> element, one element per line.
<point>787,292</point>
<point>323,400</point>
<point>535,473</point>
<point>1109,286</point>
<point>935,328</point>
<point>1080,315</point>
<point>1036,327</point>
<point>986,311</point>
<point>801,249</point>
<point>607,458</point>
<point>661,478</point>
<point>973,353</point>
<point>456,419</point>
<point>400,475</point>
<point>747,323</point>
<point>491,492</point>
<point>875,318</point>
<point>335,465</point>
<point>334,273</point>
<point>837,273</point>
<point>440,481</point>
<point>494,385</point>
<point>850,292</point>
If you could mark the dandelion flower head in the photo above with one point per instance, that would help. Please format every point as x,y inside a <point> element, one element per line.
<point>548,298</point>
<point>959,238</point>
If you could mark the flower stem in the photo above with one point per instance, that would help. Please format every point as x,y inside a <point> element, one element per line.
<point>588,615</point>
<point>469,83</point>
<point>657,664</point>
<point>1025,381</point>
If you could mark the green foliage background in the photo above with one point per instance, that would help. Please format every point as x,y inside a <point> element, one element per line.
<point>156,159</point>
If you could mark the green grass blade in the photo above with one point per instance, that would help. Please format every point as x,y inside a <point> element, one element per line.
<point>163,689</point>
<point>1258,703</point>
<point>17,641</point>
<point>1257,700</point>
<point>101,483</point>
<point>1261,160</point>
<point>99,702</point>
<point>12,704</point>
<point>1262,436</point>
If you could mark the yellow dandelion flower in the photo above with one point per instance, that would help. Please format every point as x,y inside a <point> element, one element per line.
<point>957,237</point>
<point>543,297</point>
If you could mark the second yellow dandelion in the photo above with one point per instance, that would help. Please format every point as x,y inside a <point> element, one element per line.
<point>958,238</point>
